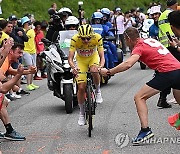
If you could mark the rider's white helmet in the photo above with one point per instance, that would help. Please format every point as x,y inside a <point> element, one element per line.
<point>72,20</point>
<point>65,9</point>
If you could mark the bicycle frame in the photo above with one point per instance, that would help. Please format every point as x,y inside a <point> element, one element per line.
<point>90,102</point>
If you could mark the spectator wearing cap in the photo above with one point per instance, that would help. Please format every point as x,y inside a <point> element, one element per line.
<point>29,55</point>
<point>18,33</point>
<point>155,12</point>
<point>165,27</point>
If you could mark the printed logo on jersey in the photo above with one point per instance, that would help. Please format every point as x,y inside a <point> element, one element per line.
<point>85,52</point>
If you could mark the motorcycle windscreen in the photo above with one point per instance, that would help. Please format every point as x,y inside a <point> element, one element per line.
<point>65,40</point>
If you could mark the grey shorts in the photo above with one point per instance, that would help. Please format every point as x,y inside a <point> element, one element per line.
<point>29,59</point>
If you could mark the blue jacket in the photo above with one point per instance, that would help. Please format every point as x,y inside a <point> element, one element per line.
<point>103,30</point>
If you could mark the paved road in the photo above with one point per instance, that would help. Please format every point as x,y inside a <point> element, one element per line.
<point>49,130</point>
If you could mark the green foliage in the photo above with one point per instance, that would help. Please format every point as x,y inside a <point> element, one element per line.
<point>39,7</point>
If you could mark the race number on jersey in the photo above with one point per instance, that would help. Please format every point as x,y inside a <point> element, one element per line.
<point>154,43</point>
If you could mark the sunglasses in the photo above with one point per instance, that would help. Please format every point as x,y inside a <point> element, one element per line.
<point>85,38</point>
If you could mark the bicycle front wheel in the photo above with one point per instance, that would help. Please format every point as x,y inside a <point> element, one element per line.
<point>89,105</point>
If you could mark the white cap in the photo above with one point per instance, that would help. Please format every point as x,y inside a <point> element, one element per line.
<point>118,9</point>
<point>155,9</point>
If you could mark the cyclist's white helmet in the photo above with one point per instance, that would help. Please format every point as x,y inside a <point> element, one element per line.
<point>65,9</point>
<point>72,20</point>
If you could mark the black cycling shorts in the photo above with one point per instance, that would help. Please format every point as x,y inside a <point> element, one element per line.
<point>162,81</point>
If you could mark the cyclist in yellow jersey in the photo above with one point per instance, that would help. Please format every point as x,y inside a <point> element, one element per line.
<point>90,55</point>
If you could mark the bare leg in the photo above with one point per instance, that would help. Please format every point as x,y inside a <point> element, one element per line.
<point>4,114</point>
<point>176,94</point>
<point>140,100</point>
<point>96,76</point>
<point>81,92</point>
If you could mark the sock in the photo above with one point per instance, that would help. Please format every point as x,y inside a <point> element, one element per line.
<point>9,128</point>
<point>98,88</point>
<point>81,107</point>
<point>145,129</point>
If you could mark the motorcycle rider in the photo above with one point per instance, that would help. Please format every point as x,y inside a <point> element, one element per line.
<point>103,30</point>
<point>90,55</point>
<point>57,22</point>
<point>55,25</point>
<point>106,21</point>
<point>106,17</point>
<point>64,13</point>
<point>71,23</point>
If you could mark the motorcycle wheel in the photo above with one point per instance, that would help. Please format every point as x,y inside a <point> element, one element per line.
<point>143,66</point>
<point>120,56</point>
<point>68,97</point>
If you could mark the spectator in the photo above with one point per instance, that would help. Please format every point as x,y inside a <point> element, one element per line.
<point>174,21</point>
<point>19,36</point>
<point>3,24</point>
<point>164,27</point>
<point>120,21</point>
<point>13,54</point>
<point>155,13</point>
<point>29,55</point>
<point>157,57</point>
<point>39,48</point>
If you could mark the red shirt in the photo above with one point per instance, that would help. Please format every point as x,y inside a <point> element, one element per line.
<point>39,43</point>
<point>155,55</point>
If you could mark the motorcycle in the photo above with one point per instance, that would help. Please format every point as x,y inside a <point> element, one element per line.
<point>60,79</point>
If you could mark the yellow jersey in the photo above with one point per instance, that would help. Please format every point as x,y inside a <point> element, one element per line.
<point>86,50</point>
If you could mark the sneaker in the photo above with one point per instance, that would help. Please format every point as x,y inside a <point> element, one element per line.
<point>16,96</point>
<point>1,135</point>
<point>81,120</point>
<point>162,103</point>
<point>10,97</point>
<point>37,78</point>
<point>22,82</point>
<point>143,136</point>
<point>44,76</point>
<point>99,98</point>
<point>22,92</point>
<point>7,98</point>
<point>14,136</point>
<point>172,101</point>
<point>30,87</point>
<point>34,86</point>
